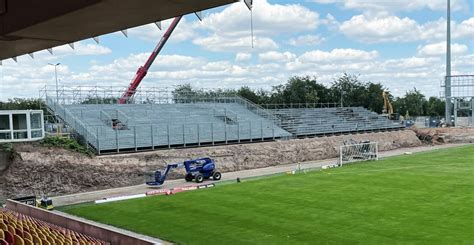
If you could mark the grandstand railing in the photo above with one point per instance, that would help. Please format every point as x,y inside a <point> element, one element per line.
<point>257,109</point>
<point>70,119</point>
<point>299,105</point>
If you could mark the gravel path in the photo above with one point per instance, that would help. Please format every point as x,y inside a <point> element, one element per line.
<point>140,189</point>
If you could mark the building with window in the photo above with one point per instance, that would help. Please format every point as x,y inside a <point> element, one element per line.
<point>21,126</point>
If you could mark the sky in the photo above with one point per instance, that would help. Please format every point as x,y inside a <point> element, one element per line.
<point>401,44</point>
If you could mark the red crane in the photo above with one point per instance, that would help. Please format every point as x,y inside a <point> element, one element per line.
<point>143,70</point>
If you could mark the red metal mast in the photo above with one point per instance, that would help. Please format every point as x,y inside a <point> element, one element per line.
<point>143,70</point>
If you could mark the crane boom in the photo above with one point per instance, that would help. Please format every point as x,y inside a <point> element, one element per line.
<point>143,70</point>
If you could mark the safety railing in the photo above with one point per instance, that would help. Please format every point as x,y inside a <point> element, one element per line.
<point>70,119</point>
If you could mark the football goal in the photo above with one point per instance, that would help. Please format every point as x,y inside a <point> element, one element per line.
<point>356,152</point>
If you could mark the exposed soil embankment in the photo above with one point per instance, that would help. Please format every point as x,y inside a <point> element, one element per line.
<point>5,160</point>
<point>55,171</point>
<point>445,135</point>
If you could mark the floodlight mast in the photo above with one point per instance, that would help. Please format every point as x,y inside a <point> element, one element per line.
<point>447,82</point>
<point>143,70</point>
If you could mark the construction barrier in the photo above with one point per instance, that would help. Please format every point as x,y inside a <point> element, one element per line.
<point>160,192</point>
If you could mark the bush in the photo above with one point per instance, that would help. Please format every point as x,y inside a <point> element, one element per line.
<point>66,143</point>
<point>7,147</point>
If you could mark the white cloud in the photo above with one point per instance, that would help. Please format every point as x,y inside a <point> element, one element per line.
<point>390,28</point>
<point>273,56</point>
<point>396,29</point>
<point>398,5</point>
<point>306,40</point>
<point>339,55</point>
<point>28,76</point>
<point>80,49</point>
<point>90,49</point>
<point>268,19</point>
<point>438,49</point>
<point>229,30</point>
<point>218,43</point>
<point>239,57</point>
<point>465,29</point>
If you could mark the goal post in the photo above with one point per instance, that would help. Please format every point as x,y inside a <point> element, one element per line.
<point>365,151</point>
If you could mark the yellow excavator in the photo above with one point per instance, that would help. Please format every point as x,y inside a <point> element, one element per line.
<point>44,202</point>
<point>388,107</point>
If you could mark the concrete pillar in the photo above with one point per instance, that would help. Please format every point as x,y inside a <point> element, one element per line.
<point>198,135</point>
<point>455,113</point>
<point>152,137</point>
<point>98,141</point>
<point>168,130</point>
<point>117,140</point>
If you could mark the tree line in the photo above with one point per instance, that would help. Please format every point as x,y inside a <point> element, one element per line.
<point>346,90</point>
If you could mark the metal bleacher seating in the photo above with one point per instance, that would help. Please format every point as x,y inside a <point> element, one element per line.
<point>113,127</point>
<point>218,120</point>
<point>320,121</point>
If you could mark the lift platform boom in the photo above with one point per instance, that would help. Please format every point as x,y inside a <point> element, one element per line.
<point>197,169</point>
<point>143,70</point>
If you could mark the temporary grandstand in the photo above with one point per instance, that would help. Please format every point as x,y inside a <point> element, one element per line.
<point>303,122</point>
<point>157,118</point>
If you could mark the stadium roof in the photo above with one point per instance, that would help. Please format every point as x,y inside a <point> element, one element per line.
<point>27,26</point>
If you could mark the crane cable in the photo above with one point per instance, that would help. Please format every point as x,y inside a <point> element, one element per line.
<point>251,25</point>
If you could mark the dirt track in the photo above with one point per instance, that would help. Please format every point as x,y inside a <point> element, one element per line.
<point>37,170</point>
<point>446,135</point>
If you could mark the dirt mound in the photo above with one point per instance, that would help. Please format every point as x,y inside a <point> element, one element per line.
<point>445,135</point>
<point>55,171</point>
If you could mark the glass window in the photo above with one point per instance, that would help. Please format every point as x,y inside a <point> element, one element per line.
<point>36,133</point>
<point>4,122</point>
<point>35,121</point>
<point>5,136</point>
<point>19,121</point>
<point>20,135</point>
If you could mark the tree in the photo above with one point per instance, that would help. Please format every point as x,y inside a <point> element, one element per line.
<point>349,91</point>
<point>250,94</point>
<point>299,90</point>
<point>25,104</point>
<point>414,103</point>
<point>435,107</point>
<point>184,91</point>
<point>22,104</point>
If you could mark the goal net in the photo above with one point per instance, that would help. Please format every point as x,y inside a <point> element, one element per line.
<point>356,152</point>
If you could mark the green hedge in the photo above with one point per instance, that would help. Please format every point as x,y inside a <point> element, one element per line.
<point>66,143</point>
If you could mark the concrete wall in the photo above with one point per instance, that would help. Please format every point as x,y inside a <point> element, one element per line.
<point>464,122</point>
<point>58,219</point>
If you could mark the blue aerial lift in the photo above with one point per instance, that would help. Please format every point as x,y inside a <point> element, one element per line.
<point>197,169</point>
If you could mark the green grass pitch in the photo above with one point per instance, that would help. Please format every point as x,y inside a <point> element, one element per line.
<point>423,198</point>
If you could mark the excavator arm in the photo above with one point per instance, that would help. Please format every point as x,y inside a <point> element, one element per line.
<point>388,107</point>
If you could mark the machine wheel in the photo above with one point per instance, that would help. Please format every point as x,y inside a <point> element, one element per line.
<point>199,178</point>
<point>216,175</point>
<point>189,177</point>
